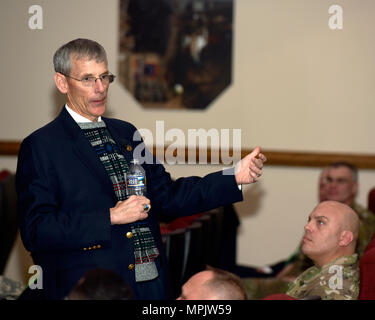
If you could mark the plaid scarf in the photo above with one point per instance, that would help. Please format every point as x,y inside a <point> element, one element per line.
<point>145,250</point>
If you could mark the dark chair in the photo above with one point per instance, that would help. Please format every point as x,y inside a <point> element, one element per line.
<point>216,239</point>
<point>206,237</point>
<point>371,200</point>
<point>174,246</point>
<point>228,246</point>
<point>8,218</point>
<point>194,251</point>
<point>367,272</point>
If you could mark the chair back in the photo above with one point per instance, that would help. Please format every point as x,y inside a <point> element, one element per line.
<point>367,272</point>
<point>194,251</point>
<point>8,218</point>
<point>174,246</point>
<point>371,200</point>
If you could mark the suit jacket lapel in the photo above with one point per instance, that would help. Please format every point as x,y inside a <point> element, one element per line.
<point>124,143</point>
<point>85,152</point>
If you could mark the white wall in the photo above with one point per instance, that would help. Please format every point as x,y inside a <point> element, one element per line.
<point>297,86</point>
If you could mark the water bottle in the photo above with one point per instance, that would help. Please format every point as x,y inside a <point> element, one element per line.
<point>135,179</point>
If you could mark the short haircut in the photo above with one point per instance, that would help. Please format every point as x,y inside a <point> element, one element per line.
<point>348,165</point>
<point>77,49</point>
<point>225,285</point>
<point>101,284</point>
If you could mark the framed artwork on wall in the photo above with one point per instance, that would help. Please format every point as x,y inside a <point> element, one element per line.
<point>175,54</point>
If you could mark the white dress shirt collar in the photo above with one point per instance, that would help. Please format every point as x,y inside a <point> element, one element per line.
<point>77,117</point>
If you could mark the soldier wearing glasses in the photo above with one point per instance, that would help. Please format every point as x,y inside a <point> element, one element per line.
<point>74,212</point>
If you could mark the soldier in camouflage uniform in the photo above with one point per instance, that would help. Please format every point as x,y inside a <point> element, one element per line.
<point>330,241</point>
<point>300,262</point>
<point>341,185</point>
<point>339,182</point>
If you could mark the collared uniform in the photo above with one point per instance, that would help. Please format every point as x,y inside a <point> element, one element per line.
<point>337,280</point>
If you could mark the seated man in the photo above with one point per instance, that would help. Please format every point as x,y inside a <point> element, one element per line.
<point>281,270</point>
<point>275,279</point>
<point>213,284</point>
<point>330,240</point>
<point>339,182</point>
<point>298,262</point>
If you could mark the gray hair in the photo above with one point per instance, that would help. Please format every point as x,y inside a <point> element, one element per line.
<point>77,49</point>
<point>353,169</point>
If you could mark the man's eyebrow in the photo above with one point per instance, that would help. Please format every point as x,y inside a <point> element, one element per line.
<point>321,217</point>
<point>92,75</point>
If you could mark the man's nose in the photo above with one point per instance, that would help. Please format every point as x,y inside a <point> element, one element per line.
<point>99,86</point>
<point>307,227</point>
<point>332,186</point>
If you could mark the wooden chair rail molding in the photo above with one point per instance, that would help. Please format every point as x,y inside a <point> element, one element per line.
<point>280,158</point>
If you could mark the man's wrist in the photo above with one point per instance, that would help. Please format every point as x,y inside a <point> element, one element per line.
<point>112,216</point>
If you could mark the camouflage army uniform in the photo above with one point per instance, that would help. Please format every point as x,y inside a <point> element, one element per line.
<point>258,288</point>
<point>10,289</point>
<point>329,282</point>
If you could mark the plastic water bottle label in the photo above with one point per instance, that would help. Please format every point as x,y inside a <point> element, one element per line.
<point>136,181</point>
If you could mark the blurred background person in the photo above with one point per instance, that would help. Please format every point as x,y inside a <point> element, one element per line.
<point>101,284</point>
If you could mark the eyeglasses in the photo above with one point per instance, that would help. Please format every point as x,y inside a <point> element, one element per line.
<point>106,79</point>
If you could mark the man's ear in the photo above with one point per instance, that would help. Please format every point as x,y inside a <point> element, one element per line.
<point>61,83</point>
<point>346,238</point>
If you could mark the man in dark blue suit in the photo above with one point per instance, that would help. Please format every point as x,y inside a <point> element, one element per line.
<point>74,212</point>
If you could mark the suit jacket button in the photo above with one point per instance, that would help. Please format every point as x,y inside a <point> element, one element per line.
<point>131,266</point>
<point>129,235</point>
<point>129,148</point>
<point>98,246</point>
<point>84,249</point>
<point>94,247</point>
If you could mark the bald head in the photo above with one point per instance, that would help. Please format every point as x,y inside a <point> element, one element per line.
<point>347,219</point>
<point>213,284</point>
<point>331,232</point>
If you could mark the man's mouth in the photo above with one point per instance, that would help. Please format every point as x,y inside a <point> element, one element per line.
<point>98,101</point>
<point>332,192</point>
